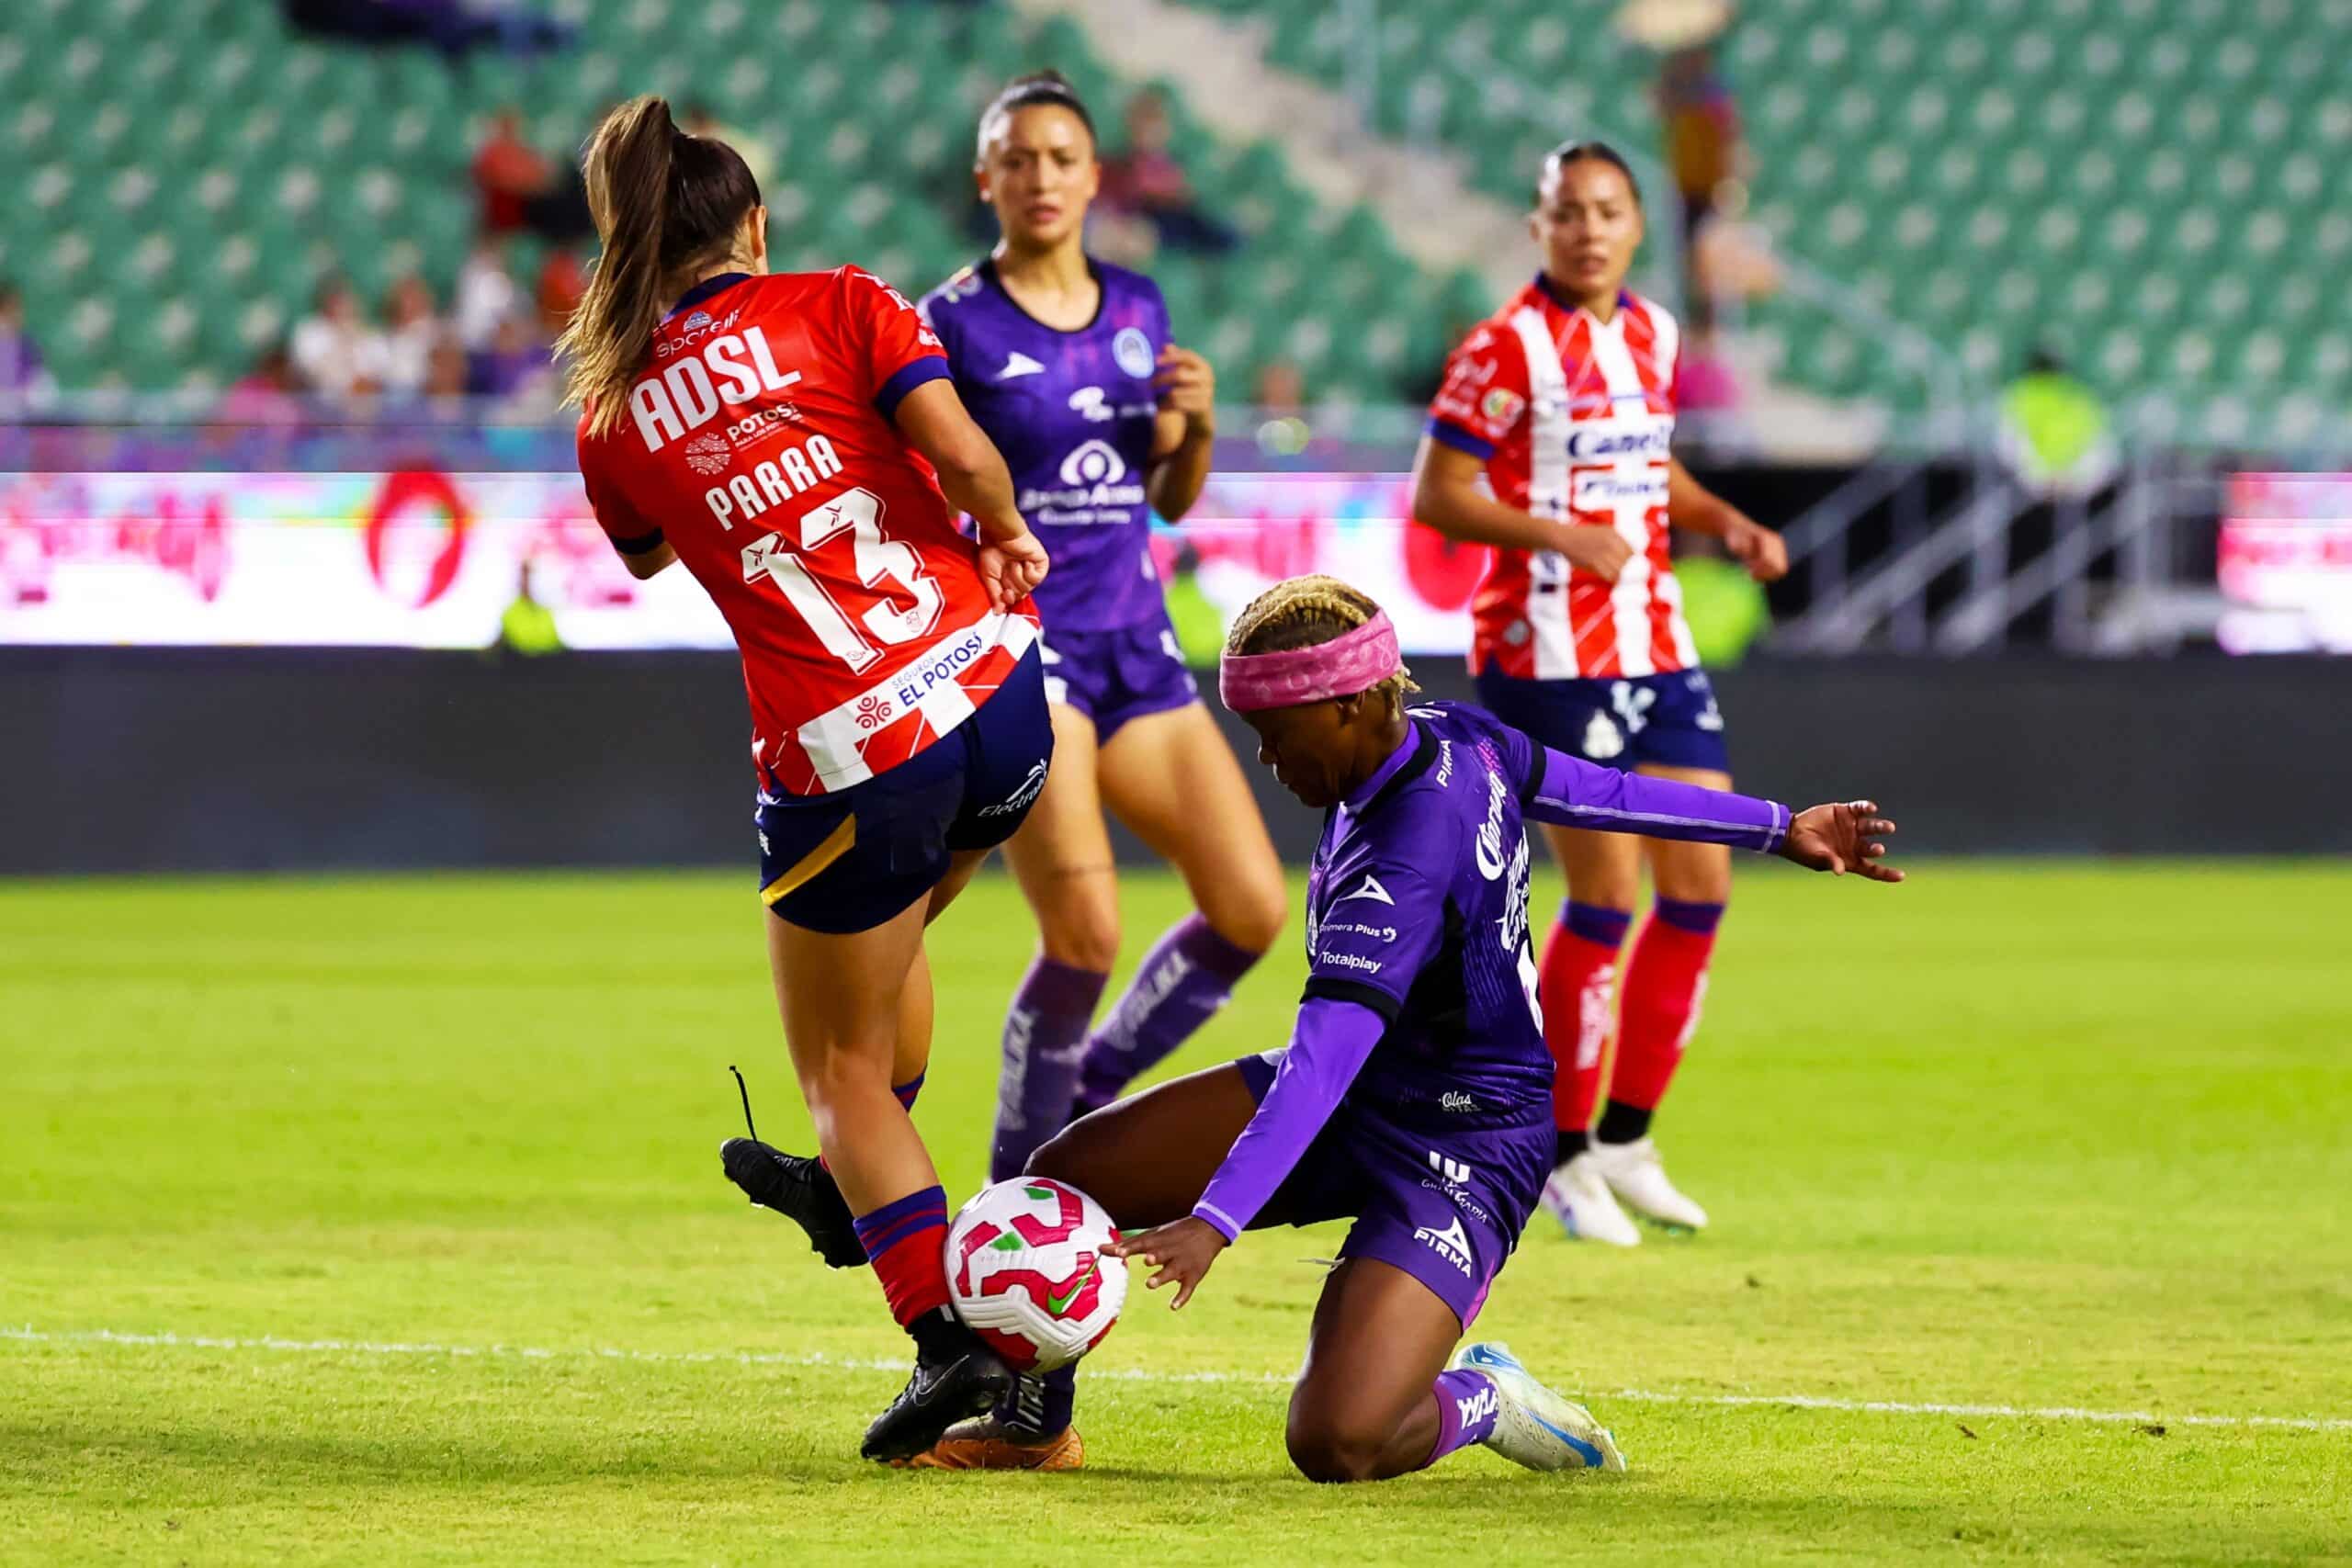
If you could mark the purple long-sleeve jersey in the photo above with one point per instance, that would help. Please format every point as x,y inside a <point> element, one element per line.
<point>1073,413</point>
<point>1420,997</point>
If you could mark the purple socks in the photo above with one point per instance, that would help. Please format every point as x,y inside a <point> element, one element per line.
<point>1044,1034</point>
<point>1188,975</point>
<point>1467,1403</point>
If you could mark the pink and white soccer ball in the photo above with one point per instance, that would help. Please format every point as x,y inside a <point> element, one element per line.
<point>1028,1271</point>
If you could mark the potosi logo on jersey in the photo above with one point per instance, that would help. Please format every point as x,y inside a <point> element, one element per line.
<point>729,371</point>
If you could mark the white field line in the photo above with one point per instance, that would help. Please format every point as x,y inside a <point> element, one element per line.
<point>30,1334</point>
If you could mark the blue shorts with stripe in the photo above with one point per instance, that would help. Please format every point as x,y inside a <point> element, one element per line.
<point>850,860</point>
<point>1617,721</point>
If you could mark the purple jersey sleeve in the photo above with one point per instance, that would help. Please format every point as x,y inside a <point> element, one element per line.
<point>1572,792</point>
<point>1328,1047</point>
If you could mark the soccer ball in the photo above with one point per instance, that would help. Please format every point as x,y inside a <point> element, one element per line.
<point>1028,1271</point>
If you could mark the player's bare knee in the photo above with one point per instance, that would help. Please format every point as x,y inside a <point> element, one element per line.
<point>1084,937</point>
<point>1327,1452</point>
<point>1060,1157</point>
<point>1252,920</point>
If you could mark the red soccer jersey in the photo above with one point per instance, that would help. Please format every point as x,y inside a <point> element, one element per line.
<point>1574,417</point>
<point>758,440</point>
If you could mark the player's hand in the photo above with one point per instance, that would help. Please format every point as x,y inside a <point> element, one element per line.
<point>1012,569</point>
<point>1187,385</point>
<point>1761,550</point>
<point>1595,547</point>
<point>1181,1252</point>
<point>1839,839</point>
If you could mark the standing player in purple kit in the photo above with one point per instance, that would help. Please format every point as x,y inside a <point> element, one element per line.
<point>1415,1095</point>
<point>1067,363</point>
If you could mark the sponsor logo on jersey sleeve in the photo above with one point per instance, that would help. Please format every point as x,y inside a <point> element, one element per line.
<point>1369,887</point>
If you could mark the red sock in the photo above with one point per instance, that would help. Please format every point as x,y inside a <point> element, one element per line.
<point>907,1240</point>
<point>1578,988</point>
<point>1666,979</point>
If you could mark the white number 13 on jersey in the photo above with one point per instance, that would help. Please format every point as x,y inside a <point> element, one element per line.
<point>877,559</point>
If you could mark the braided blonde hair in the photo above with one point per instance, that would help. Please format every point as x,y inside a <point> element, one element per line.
<point>1305,612</point>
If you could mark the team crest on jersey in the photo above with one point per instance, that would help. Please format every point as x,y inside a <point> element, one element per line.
<point>698,320</point>
<point>708,454</point>
<point>1133,351</point>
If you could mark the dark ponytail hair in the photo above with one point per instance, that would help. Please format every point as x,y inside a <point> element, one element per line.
<point>1569,152</point>
<point>1028,92</point>
<point>665,204</point>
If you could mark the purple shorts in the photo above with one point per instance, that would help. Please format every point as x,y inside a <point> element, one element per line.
<point>1114,676</point>
<point>1446,1205</point>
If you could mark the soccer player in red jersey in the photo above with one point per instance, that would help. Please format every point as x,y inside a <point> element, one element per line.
<point>796,441</point>
<point>1550,440</point>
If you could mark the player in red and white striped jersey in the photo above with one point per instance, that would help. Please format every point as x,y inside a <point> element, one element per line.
<point>797,443</point>
<point>1551,441</point>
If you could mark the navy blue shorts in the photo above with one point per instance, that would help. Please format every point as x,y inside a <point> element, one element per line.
<point>1617,721</point>
<point>1114,676</point>
<point>849,860</point>
<point>1444,1205</point>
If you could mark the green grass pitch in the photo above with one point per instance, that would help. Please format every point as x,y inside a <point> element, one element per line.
<point>381,1221</point>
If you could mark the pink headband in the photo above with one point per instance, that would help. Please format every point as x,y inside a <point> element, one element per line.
<point>1355,661</point>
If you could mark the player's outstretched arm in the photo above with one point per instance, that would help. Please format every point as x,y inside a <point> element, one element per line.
<point>1847,836</point>
<point>1448,497</point>
<point>973,476</point>
<point>1572,793</point>
<point>1332,1039</point>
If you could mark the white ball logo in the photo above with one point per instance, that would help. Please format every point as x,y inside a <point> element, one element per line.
<point>1094,463</point>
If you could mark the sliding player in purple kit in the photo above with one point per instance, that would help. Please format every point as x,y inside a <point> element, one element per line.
<point>1415,1095</point>
<point>1067,363</point>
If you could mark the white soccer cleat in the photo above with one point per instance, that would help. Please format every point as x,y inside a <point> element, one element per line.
<point>1578,1196</point>
<point>1636,1175</point>
<point>1534,1426</point>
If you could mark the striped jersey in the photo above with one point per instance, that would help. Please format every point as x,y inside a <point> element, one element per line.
<point>759,443</point>
<point>1573,417</point>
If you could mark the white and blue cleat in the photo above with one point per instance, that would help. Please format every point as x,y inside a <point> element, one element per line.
<point>1537,1427</point>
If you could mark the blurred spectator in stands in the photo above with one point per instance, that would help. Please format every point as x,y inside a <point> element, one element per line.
<point>486,294</point>
<point>2054,430</point>
<point>1707,158</point>
<point>1704,381</point>
<point>412,332</point>
<point>453,27</point>
<point>1145,179</point>
<point>514,370</point>
<point>442,393</point>
<point>757,155</point>
<point>269,393</point>
<point>26,384</point>
<point>523,189</point>
<point>563,280</point>
<point>335,353</point>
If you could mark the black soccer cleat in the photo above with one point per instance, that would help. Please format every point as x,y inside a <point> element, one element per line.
<point>800,1189</point>
<point>966,1381</point>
